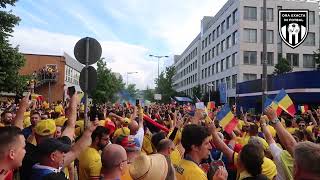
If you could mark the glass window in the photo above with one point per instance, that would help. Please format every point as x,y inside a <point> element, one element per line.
<point>269,36</point>
<point>310,39</point>
<point>205,72</point>
<point>202,74</point>
<point>212,69</point>
<point>234,59</point>
<point>249,77</point>
<point>250,13</point>
<point>209,54</point>
<point>229,44</point>
<point>235,38</point>
<point>202,59</point>
<point>269,14</point>
<point>206,42</point>
<point>221,65</point>
<point>308,61</point>
<point>250,57</point>
<point>217,49</point>
<point>228,82</point>
<point>206,57</point>
<point>209,38</point>
<point>250,35</point>
<point>293,59</point>
<point>223,26</point>
<point>217,85</point>
<point>228,62</point>
<point>213,35</point>
<point>312,17</point>
<point>235,16</point>
<point>209,71</point>
<point>228,21</point>
<point>213,50</point>
<point>218,31</point>
<point>270,58</point>
<point>222,45</point>
<point>217,67</point>
<point>234,81</point>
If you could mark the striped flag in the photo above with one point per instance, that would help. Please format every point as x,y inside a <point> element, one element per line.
<point>303,108</point>
<point>226,119</point>
<point>283,100</point>
<point>274,106</point>
<point>211,105</point>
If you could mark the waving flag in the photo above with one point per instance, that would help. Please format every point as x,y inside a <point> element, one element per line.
<point>211,105</point>
<point>303,108</point>
<point>284,101</point>
<point>226,119</point>
<point>274,105</point>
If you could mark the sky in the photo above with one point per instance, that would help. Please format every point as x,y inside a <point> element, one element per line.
<point>128,30</point>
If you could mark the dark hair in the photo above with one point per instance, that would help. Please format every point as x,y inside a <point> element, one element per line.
<point>288,123</point>
<point>8,135</point>
<point>4,113</point>
<point>157,137</point>
<point>193,135</point>
<point>163,144</point>
<point>251,157</point>
<point>99,132</point>
<point>253,129</point>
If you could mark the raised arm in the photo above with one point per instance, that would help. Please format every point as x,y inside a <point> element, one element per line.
<point>314,122</point>
<point>134,114</point>
<point>80,145</point>
<point>23,105</point>
<point>285,137</point>
<point>266,131</point>
<point>72,117</point>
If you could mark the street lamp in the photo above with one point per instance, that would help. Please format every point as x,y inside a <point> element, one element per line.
<point>159,57</point>
<point>210,87</point>
<point>130,73</point>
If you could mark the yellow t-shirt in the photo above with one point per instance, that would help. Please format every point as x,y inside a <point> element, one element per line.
<point>272,131</point>
<point>188,170</point>
<point>122,131</point>
<point>61,120</point>
<point>89,164</point>
<point>291,130</point>
<point>26,122</point>
<point>126,175</point>
<point>147,144</point>
<point>58,108</point>
<point>268,168</point>
<point>175,156</point>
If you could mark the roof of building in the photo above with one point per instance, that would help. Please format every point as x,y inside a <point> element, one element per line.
<point>70,61</point>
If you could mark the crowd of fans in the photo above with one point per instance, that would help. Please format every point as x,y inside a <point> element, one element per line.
<point>42,142</point>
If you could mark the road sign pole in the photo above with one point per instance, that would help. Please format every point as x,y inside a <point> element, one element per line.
<point>86,84</point>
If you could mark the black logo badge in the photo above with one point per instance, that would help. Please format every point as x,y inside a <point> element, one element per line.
<point>293,26</point>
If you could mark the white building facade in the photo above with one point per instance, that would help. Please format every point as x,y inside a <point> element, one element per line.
<point>228,49</point>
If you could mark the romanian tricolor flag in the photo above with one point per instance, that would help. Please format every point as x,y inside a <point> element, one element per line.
<point>211,106</point>
<point>284,101</point>
<point>226,119</point>
<point>127,104</point>
<point>273,104</point>
<point>303,108</point>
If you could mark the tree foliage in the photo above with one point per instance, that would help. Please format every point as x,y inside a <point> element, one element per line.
<point>11,59</point>
<point>108,85</point>
<point>164,84</point>
<point>282,67</point>
<point>131,89</point>
<point>196,91</point>
<point>148,94</point>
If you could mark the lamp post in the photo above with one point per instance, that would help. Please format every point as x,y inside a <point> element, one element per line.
<point>264,55</point>
<point>159,57</point>
<point>210,87</point>
<point>128,75</point>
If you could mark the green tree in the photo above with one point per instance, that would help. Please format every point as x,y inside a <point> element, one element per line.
<point>11,59</point>
<point>164,84</point>
<point>131,89</point>
<point>108,85</point>
<point>196,91</point>
<point>148,94</point>
<point>282,67</point>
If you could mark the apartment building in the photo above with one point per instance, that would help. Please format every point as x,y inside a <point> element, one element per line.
<point>228,48</point>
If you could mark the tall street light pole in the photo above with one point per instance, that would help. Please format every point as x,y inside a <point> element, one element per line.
<point>128,75</point>
<point>159,57</point>
<point>210,87</point>
<point>264,55</point>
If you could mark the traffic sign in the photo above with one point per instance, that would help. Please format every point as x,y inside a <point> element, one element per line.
<point>94,50</point>
<point>92,79</point>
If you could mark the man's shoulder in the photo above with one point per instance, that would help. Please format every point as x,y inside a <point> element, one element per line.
<point>187,168</point>
<point>90,154</point>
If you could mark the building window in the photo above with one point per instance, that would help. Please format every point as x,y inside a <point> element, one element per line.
<point>202,59</point>
<point>217,67</point>
<point>209,38</point>
<point>202,74</point>
<point>249,77</point>
<point>209,71</point>
<point>250,35</point>
<point>221,68</point>
<point>206,57</point>
<point>293,59</point>
<point>217,48</point>
<point>205,72</point>
<point>235,38</point>
<point>308,61</point>
<point>228,62</point>
<point>269,14</point>
<point>269,36</point>
<point>202,44</point>
<point>228,82</point>
<point>213,35</point>
<point>218,31</point>
<point>206,42</point>
<point>234,81</point>
<point>213,50</point>
<point>229,44</point>
<point>312,17</point>
<point>250,57</point>
<point>209,54</point>
<point>222,45</point>
<point>310,39</point>
<point>270,58</point>
<point>234,59</point>
<point>228,21</point>
<point>235,16</point>
<point>223,26</point>
<point>212,69</point>
<point>250,13</point>
<point>217,85</point>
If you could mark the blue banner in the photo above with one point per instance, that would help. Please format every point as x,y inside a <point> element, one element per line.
<point>223,92</point>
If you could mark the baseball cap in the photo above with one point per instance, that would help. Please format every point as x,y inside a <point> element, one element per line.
<point>129,143</point>
<point>50,145</point>
<point>45,127</point>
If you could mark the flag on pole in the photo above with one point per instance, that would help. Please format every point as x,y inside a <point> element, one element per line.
<point>211,105</point>
<point>197,99</point>
<point>226,119</point>
<point>283,100</point>
<point>173,101</point>
<point>274,106</point>
<point>303,108</point>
